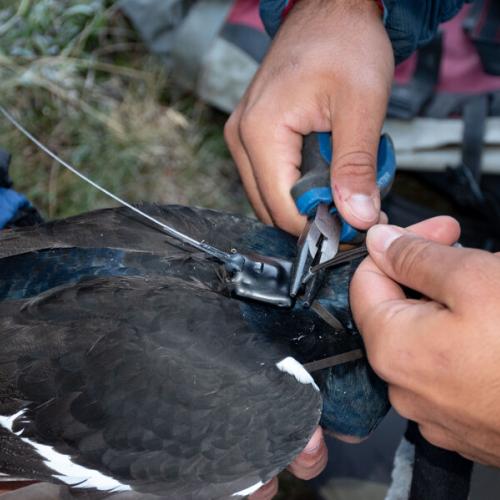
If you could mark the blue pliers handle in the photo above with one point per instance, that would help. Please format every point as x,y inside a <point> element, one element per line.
<point>314,188</point>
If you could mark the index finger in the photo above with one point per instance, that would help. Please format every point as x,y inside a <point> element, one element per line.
<point>275,153</point>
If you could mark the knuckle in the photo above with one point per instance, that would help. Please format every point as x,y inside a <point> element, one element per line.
<point>307,470</point>
<point>249,124</point>
<point>481,277</point>
<point>355,164</point>
<point>306,475</point>
<point>475,265</point>
<point>379,361</point>
<point>408,256</point>
<point>400,403</point>
<point>305,464</point>
<point>231,134</point>
<point>471,265</point>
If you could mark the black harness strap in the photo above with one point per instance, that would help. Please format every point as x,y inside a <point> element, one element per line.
<point>407,101</point>
<point>438,474</point>
<point>475,113</point>
<point>482,26</point>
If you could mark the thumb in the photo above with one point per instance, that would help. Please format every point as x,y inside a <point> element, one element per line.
<point>357,122</point>
<point>425,266</point>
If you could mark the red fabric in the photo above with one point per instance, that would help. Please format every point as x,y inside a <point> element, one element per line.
<point>246,12</point>
<point>461,70</point>
<point>405,70</point>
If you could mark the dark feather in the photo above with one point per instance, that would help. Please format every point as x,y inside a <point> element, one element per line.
<point>127,354</point>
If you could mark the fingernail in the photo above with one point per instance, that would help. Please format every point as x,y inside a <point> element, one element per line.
<point>314,443</point>
<point>363,207</point>
<point>380,237</point>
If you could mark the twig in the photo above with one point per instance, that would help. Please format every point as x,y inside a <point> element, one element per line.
<point>23,8</point>
<point>97,65</point>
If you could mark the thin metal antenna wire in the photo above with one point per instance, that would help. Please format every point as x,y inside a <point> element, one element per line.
<point>341,258</point>
<point>199,245</point>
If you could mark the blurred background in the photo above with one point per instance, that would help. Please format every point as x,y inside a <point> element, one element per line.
<point>80,78</point>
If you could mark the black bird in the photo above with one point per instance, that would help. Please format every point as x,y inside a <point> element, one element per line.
<point>125,364</point>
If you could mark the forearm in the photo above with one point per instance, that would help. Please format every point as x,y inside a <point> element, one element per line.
<point>409,23</point>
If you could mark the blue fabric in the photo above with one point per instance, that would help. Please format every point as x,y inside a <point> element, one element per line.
<point>10,202</point>
<point>355,400</point>
<point>409,23</point>
<point>271,12</point>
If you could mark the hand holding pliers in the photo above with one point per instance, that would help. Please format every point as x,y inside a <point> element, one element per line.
<point>325,228</point>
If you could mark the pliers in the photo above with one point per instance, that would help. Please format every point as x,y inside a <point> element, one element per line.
<point>325,229</point>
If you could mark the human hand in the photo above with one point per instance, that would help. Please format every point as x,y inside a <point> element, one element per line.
<point>330,68</point>
<point>307,465</point>
<point>440,355</point>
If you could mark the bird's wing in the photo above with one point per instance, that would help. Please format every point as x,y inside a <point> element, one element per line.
<point>119,228</point>
<point>156,385</point>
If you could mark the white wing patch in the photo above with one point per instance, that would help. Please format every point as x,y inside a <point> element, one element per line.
<point>68,472</point>
<point>8,422</point>
<point>293,367</point>
<point>248,491</point>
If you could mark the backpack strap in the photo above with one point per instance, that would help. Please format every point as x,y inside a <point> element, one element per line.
<point>463,182</point>
<point>437,473</point>
<point>407,101</point>
<point>482,26</point>
<point>475,113</point>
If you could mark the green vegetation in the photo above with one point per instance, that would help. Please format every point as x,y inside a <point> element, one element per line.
<point>76,75</point>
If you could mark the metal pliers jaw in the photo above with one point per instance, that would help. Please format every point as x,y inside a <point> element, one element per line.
<point>318,243</point>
